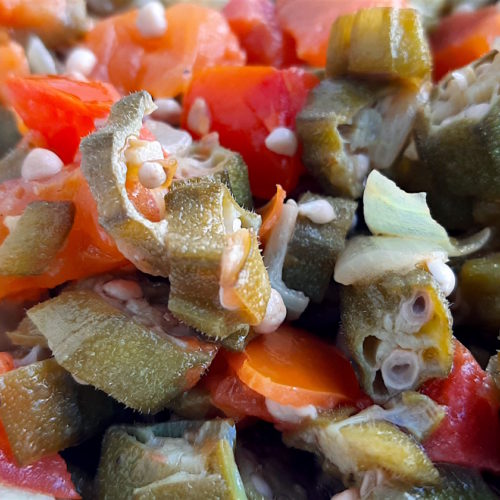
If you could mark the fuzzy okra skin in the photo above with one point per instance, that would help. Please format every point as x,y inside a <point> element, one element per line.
<point>170,460</point>
<point>37,237</point>
<point>104,347</point>
<point>43,410</point>
<point>200,215</point>
<point>313,248</point>
<point>397,314</point>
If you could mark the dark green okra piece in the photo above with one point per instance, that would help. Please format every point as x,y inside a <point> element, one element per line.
<point>398,331</point>
<point>36,238</point>
<point>457,132</point>
<point>165,460</point>
<point>9,133</point>
<point>106,347</point>
<point>313,248</point>
<point>43,410</point>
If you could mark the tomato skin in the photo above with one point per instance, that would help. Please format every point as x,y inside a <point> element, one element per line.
<point>462,38</point>
<point>61,109</point>
<point>256,25</point>
<point>245,105</point>
<point>469,434</point>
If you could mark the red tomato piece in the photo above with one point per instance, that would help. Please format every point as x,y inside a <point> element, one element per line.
<point>61,109</point>
<point>256,25</point>
<point>462,38</point>
<point>469,435</point>
<point>245,105</point>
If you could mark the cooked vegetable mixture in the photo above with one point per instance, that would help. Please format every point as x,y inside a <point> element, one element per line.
<point>249,249</point>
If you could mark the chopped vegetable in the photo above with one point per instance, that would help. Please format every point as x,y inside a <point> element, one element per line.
<point>271,214</point>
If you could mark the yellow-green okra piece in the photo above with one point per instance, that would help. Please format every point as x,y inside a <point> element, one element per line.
<point>36,237</point>
<point>118,348</point>
<point>398,331</point>
<point>219,284</point>
<point>180,459</point>
<point>457,132</point>
<point>43,410</point>
<point>318,238</point>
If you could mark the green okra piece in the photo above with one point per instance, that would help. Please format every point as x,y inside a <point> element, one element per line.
<point>195,404</point>
<point>479,286</point>
<point>313,248</point>
<point>103,346</point>
<point>456,133</point>
<point>43,410</point>
<point>201,215</point>
<point>36,238</point>
<point>166,460</point>
<point>398,331</point>
<point>9,133</point>
<point>379,42</point>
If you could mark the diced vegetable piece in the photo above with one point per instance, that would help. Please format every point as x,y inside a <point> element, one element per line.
<point>456,132</point>
<point>104,347</point>
<point>247,104</point>
<point>463,37</point>
<point>456,482</point>
<point>104,167</point>
<point>43,410</point>
<point>11,163</point>
<point>292,367</point>
<point>172,460</point>
<point>314,247</point>
<point>271,213</point>
<point>309,22</point>
<point>163,65</point>
<point>479,284</point>
<point>355,444</point>
<point>36,238</point>
<point>27,334</point>
<point>218,280</point>
<point>56,22</point>
<point>256,25</point>
<point>470,432</point>
<point>13,62</point>
<point>194,404</point>
<point>398,330</point>
<point>9,133</point>
<point>379,42</point>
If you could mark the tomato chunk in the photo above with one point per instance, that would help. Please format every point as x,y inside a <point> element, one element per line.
<point>245,105</point>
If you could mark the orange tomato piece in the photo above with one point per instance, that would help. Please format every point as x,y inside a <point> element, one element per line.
<point>309,22</point>
<point>196,38</point>
<point>293,367</point>
<point>88,250</point>
<point>462,38</point>
<point>256,25</point>
<point>61,109</point>
<point>271,213</point>
<point>6,363</point>
<point>13,62</point>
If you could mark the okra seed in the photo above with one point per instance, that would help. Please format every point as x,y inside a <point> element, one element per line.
<point>443,274</point>
<point>262,486</point>
<point>317,211</point>
<point>39,164</point>
<point>198,119</point>
<point>282,141</point>
<point>275,314</point>
<point>122,289</point>
<point>151,21</point>
<point>152,174</point>
<point>39,57</point>
<point>81,61</point>
<point>168,110</point>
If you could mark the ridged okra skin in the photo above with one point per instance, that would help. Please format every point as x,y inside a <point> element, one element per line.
<point>331,106</point>
<point>181,459</point>
<point>479,288</point>
<point>43,410</point>
<point>102,346</point>
<point>398,316</point>
<point>313,248</point>
<point>200,216</point>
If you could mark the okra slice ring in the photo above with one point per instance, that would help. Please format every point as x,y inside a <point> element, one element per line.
<point>43,410</point>
<point>36,237</point>
<point>314,246</point>
<point>457,132</point>
<point>143,461</point>
<point>398,331</point>
<point>219,284</point>
<point>104,167</point>
<point>379,42</point>
<point>101,345</point>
